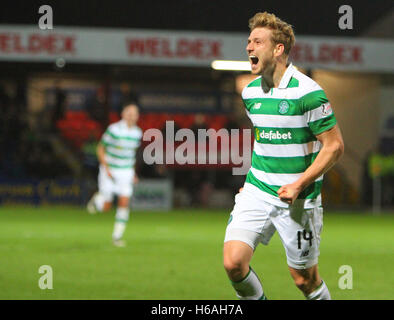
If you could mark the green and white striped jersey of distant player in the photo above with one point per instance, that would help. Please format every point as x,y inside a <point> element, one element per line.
<point>286,121</point>
<point>121,144</point>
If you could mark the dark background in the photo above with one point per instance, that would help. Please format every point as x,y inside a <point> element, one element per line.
<point>308,17</point>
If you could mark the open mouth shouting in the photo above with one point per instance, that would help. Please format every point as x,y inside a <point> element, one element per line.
<point>253,61</point>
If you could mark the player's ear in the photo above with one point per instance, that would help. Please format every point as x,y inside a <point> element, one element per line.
<point>279,49</point>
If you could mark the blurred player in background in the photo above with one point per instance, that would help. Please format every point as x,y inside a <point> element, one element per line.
<point>116,153</point>
<point>297,140</point>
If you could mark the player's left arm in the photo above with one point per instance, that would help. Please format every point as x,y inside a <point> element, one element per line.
<point>137,166</point>
<point>332,149</point>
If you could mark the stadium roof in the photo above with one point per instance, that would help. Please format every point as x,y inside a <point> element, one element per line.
<point>308,17</point>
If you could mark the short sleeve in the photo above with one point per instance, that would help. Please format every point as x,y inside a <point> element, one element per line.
<point>244,100</point>
<point>318,112</point>
<point>106,138</point>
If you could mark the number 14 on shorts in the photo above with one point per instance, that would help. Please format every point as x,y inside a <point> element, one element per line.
<point>304,235</point>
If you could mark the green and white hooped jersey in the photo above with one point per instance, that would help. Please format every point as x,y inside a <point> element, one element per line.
<point>121,144</point>
<point>286,121</point>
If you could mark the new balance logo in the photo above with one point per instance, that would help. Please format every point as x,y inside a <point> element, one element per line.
<point>257,106</point>
<point>304,253</point>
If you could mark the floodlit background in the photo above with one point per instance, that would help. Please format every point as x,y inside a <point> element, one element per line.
<point>60,89</point>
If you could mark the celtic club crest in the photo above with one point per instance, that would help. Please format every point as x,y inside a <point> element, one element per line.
<point>283,107</point>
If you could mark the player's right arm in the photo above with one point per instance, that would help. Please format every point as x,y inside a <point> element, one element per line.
<point>322,123</point>
<point>332,150</point>
<point>100,151</point>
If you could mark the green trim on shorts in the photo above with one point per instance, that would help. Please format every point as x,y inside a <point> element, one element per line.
<point>121,220</point>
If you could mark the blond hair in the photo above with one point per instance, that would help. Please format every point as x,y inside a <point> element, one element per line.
<point>282,32</point>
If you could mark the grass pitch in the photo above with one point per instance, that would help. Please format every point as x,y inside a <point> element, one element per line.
<point>176,255</point>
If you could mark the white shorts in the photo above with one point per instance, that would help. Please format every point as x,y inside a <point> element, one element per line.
<point>254,220</point>
<point>121,184</point>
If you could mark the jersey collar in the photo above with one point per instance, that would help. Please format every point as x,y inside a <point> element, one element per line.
<point>284,82</point>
